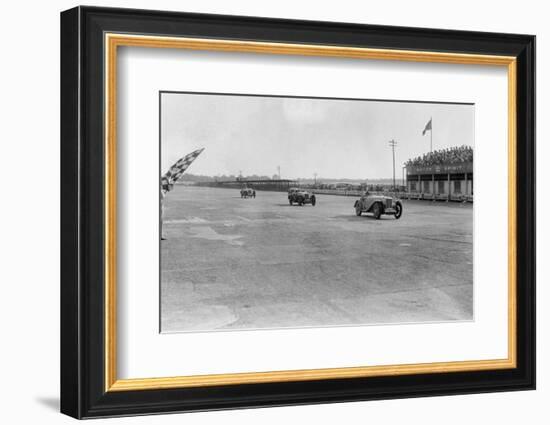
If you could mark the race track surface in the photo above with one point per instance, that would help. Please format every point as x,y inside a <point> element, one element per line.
<point>231,263</point>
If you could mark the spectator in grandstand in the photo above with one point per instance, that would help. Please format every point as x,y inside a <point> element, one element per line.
<point>454,155</point>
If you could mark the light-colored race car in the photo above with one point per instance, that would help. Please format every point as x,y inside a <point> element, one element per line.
<point>248,192</point>
<point>301,197</point>
<point>378,205</point>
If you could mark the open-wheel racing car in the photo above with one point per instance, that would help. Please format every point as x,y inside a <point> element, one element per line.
<point>378,205</point>
<point>301,197</point>
<point>248,192</point>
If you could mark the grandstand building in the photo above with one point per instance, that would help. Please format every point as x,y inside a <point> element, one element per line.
<point>445,175</point>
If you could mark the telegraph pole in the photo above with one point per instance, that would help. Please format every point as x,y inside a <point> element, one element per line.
<point>315,177</point>
<point>392,143</point>
<point>279,171</point>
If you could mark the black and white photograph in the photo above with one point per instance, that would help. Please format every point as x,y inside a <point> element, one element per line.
<point>273,208</point>
<point>292,212</point>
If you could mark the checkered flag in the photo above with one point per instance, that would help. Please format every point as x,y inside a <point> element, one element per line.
<point>177,170</point>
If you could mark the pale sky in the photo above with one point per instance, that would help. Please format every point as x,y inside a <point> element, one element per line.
<point>330,137</point>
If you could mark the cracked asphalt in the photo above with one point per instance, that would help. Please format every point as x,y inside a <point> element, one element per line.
<point>233,264</point>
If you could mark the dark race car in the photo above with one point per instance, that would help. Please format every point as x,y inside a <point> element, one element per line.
<point>301,197</point>
<point>248,192</point>
<point>378,205</point>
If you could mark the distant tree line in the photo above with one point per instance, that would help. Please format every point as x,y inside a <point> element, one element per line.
<point>319,182</point>
<point>231,177</point>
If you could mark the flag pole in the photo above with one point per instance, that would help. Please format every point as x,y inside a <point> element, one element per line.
<point>431,134</point>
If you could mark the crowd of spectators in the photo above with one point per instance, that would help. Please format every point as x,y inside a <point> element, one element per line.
<point>455,155</point>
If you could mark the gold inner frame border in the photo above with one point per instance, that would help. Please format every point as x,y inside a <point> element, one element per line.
<point>113,40</point>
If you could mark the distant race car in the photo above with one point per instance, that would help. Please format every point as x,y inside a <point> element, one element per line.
<point>378,205</point>
<point>248,192</point>
<point>301,197</point>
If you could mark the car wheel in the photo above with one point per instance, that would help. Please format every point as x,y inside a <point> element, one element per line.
<point>398,210</point>
<point>358,209</point>
<point>290,201</point>
<point>377,210</point>
<point>313,201</point>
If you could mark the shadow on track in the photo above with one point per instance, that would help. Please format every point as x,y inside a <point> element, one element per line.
<point>354,218</point>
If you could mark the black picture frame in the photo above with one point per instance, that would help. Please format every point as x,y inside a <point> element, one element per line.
<point>83,392</point>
